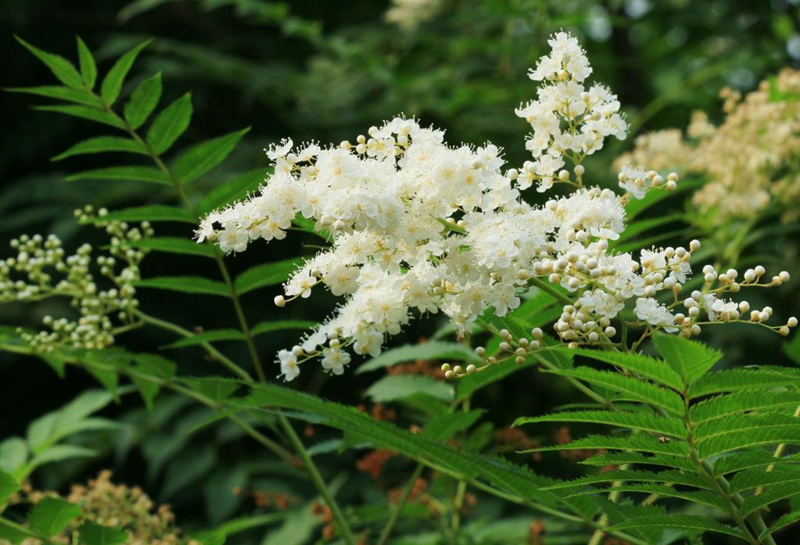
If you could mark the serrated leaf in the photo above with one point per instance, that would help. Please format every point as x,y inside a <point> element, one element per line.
<point>644,366</point>
<point>458,464</point>
<point>173,245</point>
<point>268,274</point>
<point>636,443</point>
<point>771,495</point>
<point>87,64</point>
<point>685,522</point>
<point>143,101</point>
<point>754,478</point>
<point>95,534</point>
<point>628,387</point>
<point>433,350</point>
<point>445,426</point>
<point>208,336</point>
<point>102,144</point>
<point>282,325</point>
<point>740,423</point>
<point>233,190</point>
<point>170,124</point>
<point>123,173</point>
<point>758,400</point>
<point>690,359</point>
<point>59,66</point>
<point>750,460</point>
<point>702,497</point>
<point>153,212</point>
<point>740,380</point>
<point>622,458</point>
<point>636,475</point>
<point>51,515</point>
<point>746,439</point>
<point>86,112</point>
<point>69,94</point>
<point>185,284</point>
<point>216,388</point>
<point>396,387</point>
<point>201,158</point>
<point>112,83</point>
<point>650,423</point>
<point>786,520</point>
<point>8,485</point>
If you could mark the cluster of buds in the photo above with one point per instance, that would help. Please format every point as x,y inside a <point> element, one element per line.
<point>637,182</point>
<point>41,269</point>
<point>510,348</point>
<point>718,310</point>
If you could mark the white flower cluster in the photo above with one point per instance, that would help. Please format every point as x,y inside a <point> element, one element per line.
<point>415,224</point>
<point>568,120</point>
<point>41,269</point>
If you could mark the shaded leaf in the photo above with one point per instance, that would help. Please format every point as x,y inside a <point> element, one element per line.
<point>86,112</point>
<point>87,64</point>
<point>123,173</point>
<point>59,66</point>
<point>233,190</point>
<point>69,94</point>
<point>203,157</point>
<point>395,387</point>
<point>51,515</point>
<point>268,274</point>
<point>174,245</point>
<point>209,336</point>
<point>153,212</point>
<point>170,124</point>
<point>95,534</point>
<point>185,284</point>
<point>282,325</point>
<point>102,144</point>
<point>143,101</point>
<point>433,350</point>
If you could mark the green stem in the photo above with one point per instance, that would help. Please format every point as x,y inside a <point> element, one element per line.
<point>395,516</point>
<point>216,354</point>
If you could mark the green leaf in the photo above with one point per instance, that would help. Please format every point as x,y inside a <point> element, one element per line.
<point>174,245</point>
<point>199,159</point>
<point>682,522</point>
<point>637,206</point>
<point>59,453</point>
<point>268,327</point>
<point>635,421</point>
<point>153,212</point>
<point>143,101</point>
<point>12,534</point>
<point>433,350</point>
<point>268,274</point>
<point>740,380</point>
<point>112,84</point>
<point>95,534</point>
<point>742,422</point>
<point>690,359</point>
<point>217,389</point>
<point>702,497</point>
<point>13,454</point>
<point>636,475</point>
<point>644,366</point>
<point>208,336</point>
<point>71,418</point>
<point>455,463</point>
<point>8,485</point>
<point>636,443</point>
<point>749,479</point>
<point>187,468</point>
<point>786,520</point>
<point>771,495</point>
<point>126,173</point>
<point>395,387</point>
<point>87,64</point>
<point>69,94</point>
<point>102,144</point>
<point>444,426</point>
<point>185,284</point>
<point>297,530</point>
<point>758,400</point>
<point>629,388</point>
<point>59,66</point>
<point>51,515</point>
<point>746,439</point>
<point>86,112</point>
<point>170,124</point>
<point>750,460</point>
<point>622,458</point>
<point>233,190</point>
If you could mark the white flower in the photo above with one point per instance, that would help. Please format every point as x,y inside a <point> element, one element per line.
<point>648,310</point>
<point>289,367</point>
<point>334,360</point>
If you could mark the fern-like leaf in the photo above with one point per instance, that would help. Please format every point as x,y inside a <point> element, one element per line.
<point>635,421</point>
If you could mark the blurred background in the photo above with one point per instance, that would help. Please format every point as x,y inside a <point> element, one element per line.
<point>323,71</point>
